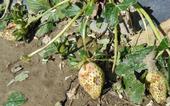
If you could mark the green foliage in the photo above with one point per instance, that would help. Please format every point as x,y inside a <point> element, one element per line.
<point>133,62</point>
<point>89,42</point>
<point>126,4</point>
<point>51,16</point>
<point>19,15</point>
<point>38,5</point>
<point>83,54</point>
<point>71,10</point>
<point>3,25</point>
<point>52,49</point>
<point>90,8</point>
<point>15,99</point>
<point>135,59</point>
<point>56,1</point>
<point>165,44</point>
<point>133,87</point>
<point>111,13</point>
<point>63,47</point>
<point>45,29</point>
<point>72,60</point>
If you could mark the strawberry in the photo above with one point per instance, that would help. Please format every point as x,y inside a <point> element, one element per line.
<point>91,78</point>
<point>157,86</point>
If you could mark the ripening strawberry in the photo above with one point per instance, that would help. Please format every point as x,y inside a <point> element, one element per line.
<point>91,78</point>
<point>157,86</point>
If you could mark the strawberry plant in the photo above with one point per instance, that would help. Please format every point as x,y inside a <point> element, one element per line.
<point>96,40</point>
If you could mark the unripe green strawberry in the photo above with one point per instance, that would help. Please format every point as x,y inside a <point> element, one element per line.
<point>157,86</point>
<point>91,78</point>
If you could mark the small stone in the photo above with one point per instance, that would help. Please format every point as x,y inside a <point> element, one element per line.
<point>46,39</point>
<point>168,101</point>
<point>16,68</point>
<point>150,103</point>
<point>58,104</point>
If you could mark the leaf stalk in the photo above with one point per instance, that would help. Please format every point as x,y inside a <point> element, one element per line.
<point>115,48</point>
<point>152,25</point>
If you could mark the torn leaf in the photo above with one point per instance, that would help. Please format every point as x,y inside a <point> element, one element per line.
<point>20,77</point>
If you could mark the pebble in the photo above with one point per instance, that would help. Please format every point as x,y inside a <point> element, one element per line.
<point>58,104</point>
<point>16,68</point>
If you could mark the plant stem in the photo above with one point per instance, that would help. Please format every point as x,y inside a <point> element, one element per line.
<point>84,34</point>
<point>39,16</point>
<point>155,30</point>
<point>110,60</point>
<point>115,48</point>
<point>58,35</point>
<point>145,27</point>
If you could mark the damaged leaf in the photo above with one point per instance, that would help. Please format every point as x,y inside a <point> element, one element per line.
<point>133,62</point>
<point>20,77</point>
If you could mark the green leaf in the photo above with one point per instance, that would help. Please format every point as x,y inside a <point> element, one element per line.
<point>137,48</point>
<point>134,88</point>
<point>89,9</point>
<point>135,59</point>
<point>17,12</point>
<point>111,13</point>
<point>45,29</point>
<point>161,62</point>
<point>83,29</point>
<point>71,10</point>
<point>133,62</point>
<point>126,4</point>
<point>72,60</point>
<point>20,34</point>
<point>38,5</point>
<point>99,55</point>
<point>51,16</point>
<point>56,1</point>
<point>52,49</point>
<point>19,15</point>
<point>122,69</point>
<point>20,77</point>
<point>3,25</point>
<point>56,14</point>
<point>15,99</point>
<point>165,44</point>
<point>83,54</point>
